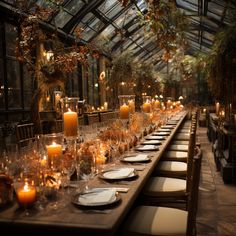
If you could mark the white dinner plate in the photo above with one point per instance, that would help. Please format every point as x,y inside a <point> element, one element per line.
<point>96,197</point>
<point>136,158</point>
<point>151,142</point>
<point>147,148</point>
<point>155,137</point>
<point>118,173</point>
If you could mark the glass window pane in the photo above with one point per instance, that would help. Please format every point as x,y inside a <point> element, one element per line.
<point>28,88</point>
<point>108,32</point>
<point>62,18</point>
<point>126,17</point>
<point>87,33</point>
<point>104,7</point>
<point>1,39</point>
<point>110,10</point>
<point>74,6</point>
<point>2,94</point>
<point>11,35</point>
<point>13,77</point>
<point>45,3</point>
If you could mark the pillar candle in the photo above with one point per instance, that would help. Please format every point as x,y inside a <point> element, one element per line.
<point>157,104</point>
<point>105,105</point>
<point>147,107</point>
<point>70,123</point>
<point>54,151</point>
<point>168,104</point>
<point>26,195</point>
<point>235,117</point>
<point>217,108</point>
<point>124,111</point>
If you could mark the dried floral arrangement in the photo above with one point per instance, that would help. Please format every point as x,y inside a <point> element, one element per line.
<point>33,43</point>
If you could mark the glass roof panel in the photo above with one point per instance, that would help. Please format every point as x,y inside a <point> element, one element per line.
<point>45,3</point>
<point>125,17</point>
<point>110,8</point>
<point>87,33</point>
<point>189,5</point>
<point>74,6</point>
<point>90,25</point>
<point>107,5</point>
<point>132,46</point>
<point>109,31</point>
<point>142,5</point>
<point>67,12</point>
<point>62,18</point>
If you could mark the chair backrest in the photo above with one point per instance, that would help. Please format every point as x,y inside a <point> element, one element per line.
<point>81,120</point>
<point>191,148</point>
<point>92,118</point>
<point>193,192</point>
<point>58,126</point>
<point>24,134</point>
<point>106,116</point>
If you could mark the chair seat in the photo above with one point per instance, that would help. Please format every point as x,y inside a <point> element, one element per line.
<point>184,130</point>
<point>171,167</point>
<point>182,136</point>
<point>181,142</point>
<point>178,147</point>
<point>165,187</point>
<point>151,220</point>
<point>175,156</point>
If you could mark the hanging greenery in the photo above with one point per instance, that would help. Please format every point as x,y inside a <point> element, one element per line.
<point>168,24</point>
<point>218,66</point>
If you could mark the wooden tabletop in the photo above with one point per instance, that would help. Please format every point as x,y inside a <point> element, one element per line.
<point>69,219</point>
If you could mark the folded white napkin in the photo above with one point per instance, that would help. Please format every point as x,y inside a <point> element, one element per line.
<point>161,133</point>
<point>155,137</point>
<point>139,157</point>
<point>164,130</point>
<point>148,142</point>
<point>167,127</point>
<point>118,173</point>
<point>97,197</point>
<point>147,147</point>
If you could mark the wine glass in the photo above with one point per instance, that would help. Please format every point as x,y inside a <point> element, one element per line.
<point>69,162</point>
<point>86,159</point>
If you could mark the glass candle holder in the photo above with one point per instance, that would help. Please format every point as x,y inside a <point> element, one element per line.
<point>53,144</point>
<point>124,106</point>
<point>70,116</point>
<point>131,103</point>
<point>26,196</point>
<point>169,104</point>
<point>147,104</point>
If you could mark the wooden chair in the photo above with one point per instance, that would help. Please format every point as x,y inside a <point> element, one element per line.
<point>175,168</point>
<point>170,189</point>
<point>58,126</point>
<point>24,134</point>
<point>81,120</point>
<point>159,221</point>
<point>92,118</point>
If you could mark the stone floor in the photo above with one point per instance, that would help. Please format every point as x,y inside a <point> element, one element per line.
<point>217,201</point>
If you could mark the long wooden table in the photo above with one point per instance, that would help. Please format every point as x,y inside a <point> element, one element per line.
<point>71,220</point>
